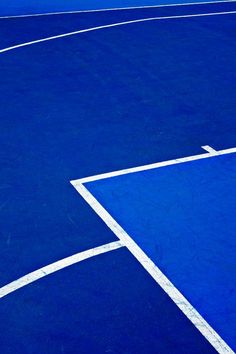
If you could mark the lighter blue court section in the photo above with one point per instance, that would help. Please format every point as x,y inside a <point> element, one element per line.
<point>184,217</point>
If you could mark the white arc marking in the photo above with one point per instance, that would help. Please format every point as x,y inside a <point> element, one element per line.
<point>114,25</point>
<point>54,267</point>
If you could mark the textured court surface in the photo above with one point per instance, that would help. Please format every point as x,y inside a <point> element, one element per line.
<point>106,100</point>
<point>183,217</point>
<point>13,7</point>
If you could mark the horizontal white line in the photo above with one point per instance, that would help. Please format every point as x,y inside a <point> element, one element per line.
<point>152,166</point>
<point>113,25</point>
<point>54,267</point>
<point>116,9</point>
<point>207,331</point>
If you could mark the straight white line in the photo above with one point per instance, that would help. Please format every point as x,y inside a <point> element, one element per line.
<point>117,9</point>
<point>114,25</point>
<point>211,153</point>
<point>210,149</point>
<point>54,267</point>
<point>207,331</point>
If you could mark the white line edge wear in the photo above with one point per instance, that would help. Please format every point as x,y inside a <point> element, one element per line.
<point>162,18</point>
<point>190,312</point>
<point>117,9</point>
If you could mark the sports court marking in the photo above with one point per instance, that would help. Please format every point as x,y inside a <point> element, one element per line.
<point>125,240</point>
<point>56,266</point>
<point>190,312</point>
<point>210,149</point>
<point>114,25</point>
<point>118,9</point>
<point>210,153</point>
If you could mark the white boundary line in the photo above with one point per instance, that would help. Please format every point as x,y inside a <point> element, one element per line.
<point>54,267</point>
<point>184,305</point>
<point>210,149</point>
<point>114,25</point>
<point>118,9</point>
<point>207,331</point>
<point>211,153</point>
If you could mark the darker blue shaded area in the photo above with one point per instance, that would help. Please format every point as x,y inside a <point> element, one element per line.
<point>99,102</point>
<point>183,217</point>
<point>107,304</point>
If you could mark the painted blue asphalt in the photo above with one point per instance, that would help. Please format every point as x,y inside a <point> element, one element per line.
<point>183,217</point>
<point>99,102</point>
<point>16,31</point>
<point>14,7</point>
<point>94,103</point>
<point>104,305</point>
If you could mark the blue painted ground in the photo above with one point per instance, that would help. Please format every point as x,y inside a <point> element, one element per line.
<point>15,31</point>
<point>14,7</point>
<point>183,217</point>
<point>109,305</point>
<point>89,104</point>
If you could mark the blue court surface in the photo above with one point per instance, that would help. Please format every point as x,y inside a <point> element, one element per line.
<point>133,108</point>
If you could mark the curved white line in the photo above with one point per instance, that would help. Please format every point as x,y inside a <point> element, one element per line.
<point>117,9</point>
<point>113,25</point>
<point>54,267</point>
